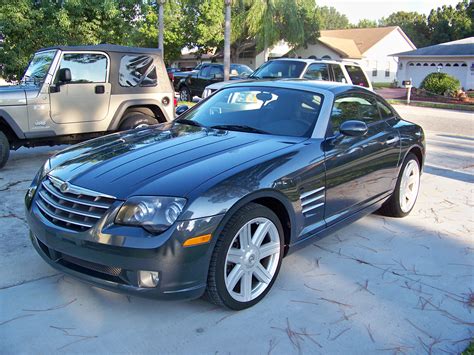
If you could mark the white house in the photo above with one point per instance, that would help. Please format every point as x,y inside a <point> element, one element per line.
<point>370,47</point>
<point>454,58</point>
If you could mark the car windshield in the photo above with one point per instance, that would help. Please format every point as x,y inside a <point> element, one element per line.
<point>279,69</point>
<point>38,68</point>
<point>270,110</point>
<point>240,70</point>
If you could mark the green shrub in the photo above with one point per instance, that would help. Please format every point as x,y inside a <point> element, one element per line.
<point>441,84</point>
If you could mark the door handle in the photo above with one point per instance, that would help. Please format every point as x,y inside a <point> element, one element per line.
<point>392,140</point>
<point>99,89</point>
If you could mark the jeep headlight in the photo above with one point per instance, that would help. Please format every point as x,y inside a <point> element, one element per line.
<point>155,214</point>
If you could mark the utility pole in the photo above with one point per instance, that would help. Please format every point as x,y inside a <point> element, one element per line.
<point>161,26</point>
<point>227,39</point>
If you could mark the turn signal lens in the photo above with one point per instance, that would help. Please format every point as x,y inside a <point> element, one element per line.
<point>202,239</point>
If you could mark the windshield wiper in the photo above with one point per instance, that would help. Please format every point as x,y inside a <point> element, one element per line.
<point>242,128</point>
<point>188,122</point>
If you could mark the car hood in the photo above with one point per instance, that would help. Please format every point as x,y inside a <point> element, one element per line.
<point>14,95</point>
<point>170,159</point>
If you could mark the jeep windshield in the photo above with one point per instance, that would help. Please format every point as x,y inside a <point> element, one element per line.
<point>278,69</point>
<point>38,68</point>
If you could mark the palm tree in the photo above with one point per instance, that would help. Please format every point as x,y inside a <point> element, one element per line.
<point>227,39</point>
<point>161,26</point>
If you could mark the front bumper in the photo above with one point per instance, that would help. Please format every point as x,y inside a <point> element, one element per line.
<point>111,256</point>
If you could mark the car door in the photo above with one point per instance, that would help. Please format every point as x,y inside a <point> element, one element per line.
<point>86,97</point>
<point>359,170</point>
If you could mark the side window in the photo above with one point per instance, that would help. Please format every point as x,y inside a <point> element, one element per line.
<point>385,111</point>
<point>357,76</point>
<point>216,72</point>
<point>137,70</point>
<point>318,71</point>
<point>205,72</point>
<point>85,67</point>
<point>338,74</point>
<point>354,107</point>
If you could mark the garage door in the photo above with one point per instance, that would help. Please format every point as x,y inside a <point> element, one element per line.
<point>417,71</point>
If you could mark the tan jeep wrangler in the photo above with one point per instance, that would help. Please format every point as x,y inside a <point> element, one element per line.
<point>70,94</point>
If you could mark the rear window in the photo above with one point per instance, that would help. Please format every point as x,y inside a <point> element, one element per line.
<point>357,75</point>
<point>137,70</point>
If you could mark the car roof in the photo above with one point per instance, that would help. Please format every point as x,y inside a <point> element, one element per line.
<point>312,60</point>
<point>304,84</point>
<point>106,48</point>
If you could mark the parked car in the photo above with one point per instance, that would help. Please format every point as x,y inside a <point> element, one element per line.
<point>213,201</point>
<point>183,73</point>
<point>312,69</point>
<point>69,94</point>
<point>195,82</point>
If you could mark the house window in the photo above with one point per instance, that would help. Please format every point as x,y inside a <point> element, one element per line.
<point>387,72</point>
<point>374,72</point>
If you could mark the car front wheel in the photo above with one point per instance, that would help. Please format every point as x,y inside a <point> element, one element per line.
<point>4,149</point>
<point>184,94</point>
<point>246,259</point>
<point>406,190</point>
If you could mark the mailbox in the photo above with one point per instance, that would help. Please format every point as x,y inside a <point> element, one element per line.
<point>406,83</point>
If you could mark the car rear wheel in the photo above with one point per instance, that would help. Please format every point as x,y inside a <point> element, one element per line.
<point>406,190</point>
<point>136,120</point>
<point>4,149</point>
<point>184,94</point>
<point>246,259</point>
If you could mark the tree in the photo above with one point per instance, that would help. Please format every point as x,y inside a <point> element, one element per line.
<point>366,23</point>
<point>227,39</point>
<point>330,19</point>
<point>412,23</point>
<point>448,23</point>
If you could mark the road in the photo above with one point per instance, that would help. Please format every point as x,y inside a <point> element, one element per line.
<point>379,286</point>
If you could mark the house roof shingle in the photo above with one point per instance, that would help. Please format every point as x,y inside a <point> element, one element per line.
<point>462,47</point>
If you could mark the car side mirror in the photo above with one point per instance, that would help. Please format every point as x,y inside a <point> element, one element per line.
<point>64,75</point>
<point>181,109</point>
<point>353,128</point>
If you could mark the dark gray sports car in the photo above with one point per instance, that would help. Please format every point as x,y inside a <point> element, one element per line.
<point>212,202</point>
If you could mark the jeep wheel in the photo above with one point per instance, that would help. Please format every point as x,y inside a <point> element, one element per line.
<point>4,149</point>
<point>184,94</point>
<point>136,120</point>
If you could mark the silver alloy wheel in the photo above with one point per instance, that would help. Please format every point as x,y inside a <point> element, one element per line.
<point>409,186</point>
<point>252,259</point>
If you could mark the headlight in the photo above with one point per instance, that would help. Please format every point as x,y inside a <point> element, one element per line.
<point>30,193</point>
<point>155,214</point>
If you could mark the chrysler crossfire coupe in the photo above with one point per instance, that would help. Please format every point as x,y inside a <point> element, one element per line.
<point>211,202</point>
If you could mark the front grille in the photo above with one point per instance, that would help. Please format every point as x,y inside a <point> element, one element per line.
<point>77,209</point>
<point>104,269</point>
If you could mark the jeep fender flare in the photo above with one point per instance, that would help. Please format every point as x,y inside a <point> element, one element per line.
<point>118,115</point>
<point>10,122</point>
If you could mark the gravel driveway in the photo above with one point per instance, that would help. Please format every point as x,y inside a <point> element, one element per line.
<point>380,285</point>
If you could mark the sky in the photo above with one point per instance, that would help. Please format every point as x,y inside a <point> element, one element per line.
<point>356,10</point>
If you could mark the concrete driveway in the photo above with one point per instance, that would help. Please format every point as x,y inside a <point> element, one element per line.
<point>378,286</point>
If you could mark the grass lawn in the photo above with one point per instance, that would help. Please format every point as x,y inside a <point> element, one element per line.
<point>187,103</point>
<point>469,350</point>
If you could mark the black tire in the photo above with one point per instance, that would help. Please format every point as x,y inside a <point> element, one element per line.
<point>216,291</point>
<point>185,94</point>
<point>4,149</point>
<point>392,207</point>
<point>135,119</point>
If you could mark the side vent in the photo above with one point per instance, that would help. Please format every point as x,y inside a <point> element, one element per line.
<point>312,200</point>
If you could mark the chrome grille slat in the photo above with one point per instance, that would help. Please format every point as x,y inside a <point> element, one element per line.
<point>66,209</point>
<point>312,192</point>
<point>74,208</point>
<point>51,189</point>
<point>53,215</point>
<point>310,208</point>
<point>308,201</point>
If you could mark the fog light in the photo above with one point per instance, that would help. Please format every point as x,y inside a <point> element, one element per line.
<point>148,278</point>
